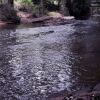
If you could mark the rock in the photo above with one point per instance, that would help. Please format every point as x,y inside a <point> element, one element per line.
<point>54,14</point>
<point>8,14</point>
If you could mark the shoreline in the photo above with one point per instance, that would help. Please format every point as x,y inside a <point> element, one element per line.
<point>27,18</point>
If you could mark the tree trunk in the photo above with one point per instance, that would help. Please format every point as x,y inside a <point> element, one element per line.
<point>4,1</point>
<point>63,7</point>
<point>42,7</point>
<point>70,6</point>
<point>11,2</point>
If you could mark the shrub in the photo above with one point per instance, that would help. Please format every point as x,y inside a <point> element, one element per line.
<point>7,13</point>
<point>26,5</point>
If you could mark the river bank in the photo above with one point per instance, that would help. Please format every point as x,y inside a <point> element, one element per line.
<point>28,18</point>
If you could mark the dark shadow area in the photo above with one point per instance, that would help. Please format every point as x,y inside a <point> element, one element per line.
<point>97,98</point>
<point>86,57</point>
<point>80,9</point>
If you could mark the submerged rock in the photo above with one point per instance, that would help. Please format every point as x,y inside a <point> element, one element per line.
<point>8,14</point>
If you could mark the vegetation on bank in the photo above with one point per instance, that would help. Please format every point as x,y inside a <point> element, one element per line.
<point>8,14</point>
<point>78,8</point>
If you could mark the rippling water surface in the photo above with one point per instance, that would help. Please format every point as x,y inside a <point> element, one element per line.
<point>35,62</point>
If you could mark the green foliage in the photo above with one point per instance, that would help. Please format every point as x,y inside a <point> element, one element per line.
<point>26,5</point>
<point>28,2</point>
<point>77,8</point>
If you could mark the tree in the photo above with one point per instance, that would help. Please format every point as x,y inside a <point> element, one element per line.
<point>70,7</point>
<point>42,7</point>
<point>8,14</point>
<point>63,6</point>
<point>11,2</point>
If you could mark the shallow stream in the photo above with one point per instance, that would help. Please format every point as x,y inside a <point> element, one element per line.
<point>36,62</point>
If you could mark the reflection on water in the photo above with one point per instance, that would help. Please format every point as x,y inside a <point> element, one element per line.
<point>36,62</point>
<point>86,56</point>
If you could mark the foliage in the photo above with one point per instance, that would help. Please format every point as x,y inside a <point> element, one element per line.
<point>26,5</point>
<point>77,8</point>
<point>34,6</point>
<point>27,2</point>
<point>7,13</point>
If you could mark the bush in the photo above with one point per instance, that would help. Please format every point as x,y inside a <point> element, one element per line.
<point>7,13</point>
<point>26,5</point>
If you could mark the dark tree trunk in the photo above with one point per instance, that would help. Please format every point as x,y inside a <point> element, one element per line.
<point>70,7</point>
<point>42,7</point>
<point>63,7</point>
<point>11,2</point>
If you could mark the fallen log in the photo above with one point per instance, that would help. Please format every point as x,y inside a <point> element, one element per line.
<point>5,23</point>
<point>35,20</point>
<point>41,19</point>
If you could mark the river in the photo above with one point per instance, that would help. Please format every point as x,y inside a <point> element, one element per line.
<point>38,61</point>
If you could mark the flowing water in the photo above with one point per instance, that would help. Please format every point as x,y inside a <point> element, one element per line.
<point>36,62</point>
